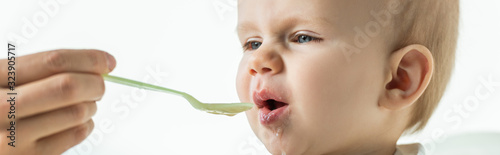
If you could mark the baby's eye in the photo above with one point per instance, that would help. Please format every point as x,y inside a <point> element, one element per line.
<point>304,39</point>
<point>252,45</point>
<point>301,38</point>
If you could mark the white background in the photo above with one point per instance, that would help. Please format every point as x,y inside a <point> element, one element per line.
<point>191,45</point>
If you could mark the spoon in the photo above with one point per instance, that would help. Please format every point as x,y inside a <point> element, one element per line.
<point>229,109</point>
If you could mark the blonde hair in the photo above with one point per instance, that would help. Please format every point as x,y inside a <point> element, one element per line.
<point>434,24</point>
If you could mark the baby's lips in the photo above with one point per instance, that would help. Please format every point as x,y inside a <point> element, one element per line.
<point>257,100</point>
<point>259,97</point>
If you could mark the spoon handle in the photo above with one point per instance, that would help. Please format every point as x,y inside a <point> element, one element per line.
<point>137,84</point>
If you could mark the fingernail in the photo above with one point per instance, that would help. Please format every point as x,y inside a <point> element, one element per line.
<point>90,127</point>
<point>111,62</point>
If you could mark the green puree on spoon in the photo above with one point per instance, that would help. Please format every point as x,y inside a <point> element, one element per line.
<point>229,109</point>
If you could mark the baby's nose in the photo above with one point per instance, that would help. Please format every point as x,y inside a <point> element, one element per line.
<point>265,61</point>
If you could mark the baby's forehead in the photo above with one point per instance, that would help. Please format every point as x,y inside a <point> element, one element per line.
<point>338,14</point>
<point>330,7</point>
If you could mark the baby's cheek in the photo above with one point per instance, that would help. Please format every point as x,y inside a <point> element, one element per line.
<point>323,92</point>
<point>242,90</point>
<point>252,118</point>
<point>243,83</point>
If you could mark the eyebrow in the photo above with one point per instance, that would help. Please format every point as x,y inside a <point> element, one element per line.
<point>314,21</point>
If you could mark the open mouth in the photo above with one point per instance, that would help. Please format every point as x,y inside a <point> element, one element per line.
<point>272,104</point>
<point>272,107</point>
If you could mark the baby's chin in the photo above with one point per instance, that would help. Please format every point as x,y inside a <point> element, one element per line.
<point>276,137</point>
<point>274,144</point>
<point>278,141</point>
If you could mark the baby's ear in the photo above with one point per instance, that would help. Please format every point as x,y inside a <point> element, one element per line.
<point>408,74</point>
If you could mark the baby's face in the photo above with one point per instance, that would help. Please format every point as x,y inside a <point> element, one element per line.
<point>311,98</point>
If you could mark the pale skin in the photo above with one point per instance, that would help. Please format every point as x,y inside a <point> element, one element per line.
<point>336,106</point>
<point>57,94</point>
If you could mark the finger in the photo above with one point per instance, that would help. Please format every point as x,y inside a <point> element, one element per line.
<point>40,65</point>
<point>56,121</point>
<point>58,91</point>
<point>7,108</point>
<point>60,142</point>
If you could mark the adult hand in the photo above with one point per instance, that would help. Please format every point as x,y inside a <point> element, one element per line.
<point>56,99</point>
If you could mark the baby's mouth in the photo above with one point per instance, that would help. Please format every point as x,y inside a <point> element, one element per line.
<point>271,106</point>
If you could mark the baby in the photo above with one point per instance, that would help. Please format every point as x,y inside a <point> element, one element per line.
<point>344,76</point>
<point>327,77</point>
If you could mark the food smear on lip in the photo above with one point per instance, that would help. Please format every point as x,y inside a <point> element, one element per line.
<point>271,106</point>
<point>269,116</point>
<point>278,132</point>
<point>273,113</point>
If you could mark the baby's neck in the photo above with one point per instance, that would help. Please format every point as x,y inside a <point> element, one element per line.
<point>377,149</point>
<point>382,151</point>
